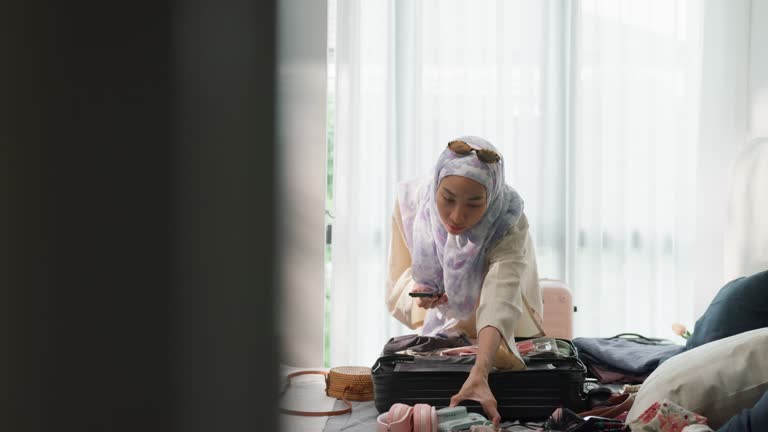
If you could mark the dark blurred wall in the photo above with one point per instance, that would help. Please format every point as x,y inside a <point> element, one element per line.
<point>136,215</point>
<point>302,66</point>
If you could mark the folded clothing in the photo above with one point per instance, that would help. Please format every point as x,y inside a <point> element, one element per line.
<point>607,376</point>
<point>460,351</point>
<point>545,347</point>
<point>625,356</point>
<point>565,420</point>
<point>615,407</point>
<point>424,344</point>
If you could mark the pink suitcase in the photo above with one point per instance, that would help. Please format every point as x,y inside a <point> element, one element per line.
<point>558,308</point>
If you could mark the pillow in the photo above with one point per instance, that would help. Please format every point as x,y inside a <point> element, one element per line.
<point>716,380</point>
<point>741,305</point>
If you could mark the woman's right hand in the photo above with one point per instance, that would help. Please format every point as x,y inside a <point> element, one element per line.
<point>428,302</point>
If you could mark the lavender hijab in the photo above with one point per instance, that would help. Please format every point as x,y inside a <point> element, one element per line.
<point>455,264</point>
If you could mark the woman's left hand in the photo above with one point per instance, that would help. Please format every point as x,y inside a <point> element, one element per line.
<point>428,302</point>
<point>476,388</point>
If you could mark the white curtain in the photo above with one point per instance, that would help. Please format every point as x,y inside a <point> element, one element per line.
<point>593,104</point>
<point>633,143</point>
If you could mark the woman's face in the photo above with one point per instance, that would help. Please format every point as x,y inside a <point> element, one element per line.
<point>461,203</point>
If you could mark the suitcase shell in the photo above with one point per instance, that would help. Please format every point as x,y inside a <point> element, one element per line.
<point>530,394</point>
<point>558,308</point>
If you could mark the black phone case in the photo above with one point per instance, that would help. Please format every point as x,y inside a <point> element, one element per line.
<point>424,295</point>
<point>531,394</point>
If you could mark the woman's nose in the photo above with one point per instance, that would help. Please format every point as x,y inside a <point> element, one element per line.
<point>457,216</point>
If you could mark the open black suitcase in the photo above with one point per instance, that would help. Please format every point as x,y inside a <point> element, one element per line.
<point>530,394</point>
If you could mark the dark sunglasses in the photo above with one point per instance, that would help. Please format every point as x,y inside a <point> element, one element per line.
<point>464,149</point>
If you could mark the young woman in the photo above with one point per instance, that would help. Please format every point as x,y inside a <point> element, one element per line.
<point>461,235</point>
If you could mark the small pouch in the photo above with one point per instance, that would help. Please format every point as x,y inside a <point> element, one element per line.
<point>540,347</point>
<point>460,424</point>
<point>348,383</point>
<point>458,418</point>
<point>451,413</point>
<point>399,418</point>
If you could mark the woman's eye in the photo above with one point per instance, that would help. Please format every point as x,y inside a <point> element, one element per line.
<point>447,199</point>
<point>474,206</point>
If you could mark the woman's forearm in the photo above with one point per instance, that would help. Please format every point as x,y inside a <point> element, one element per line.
<point>488,341</point>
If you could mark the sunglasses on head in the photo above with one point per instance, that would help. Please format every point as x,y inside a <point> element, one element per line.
<point>464,149</point>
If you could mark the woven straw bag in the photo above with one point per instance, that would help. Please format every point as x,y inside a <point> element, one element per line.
<point>348,383</point>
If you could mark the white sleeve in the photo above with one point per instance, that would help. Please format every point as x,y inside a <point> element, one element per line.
<point>400,281</point>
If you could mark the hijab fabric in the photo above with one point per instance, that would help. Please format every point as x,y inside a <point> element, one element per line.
<point>455,264</point>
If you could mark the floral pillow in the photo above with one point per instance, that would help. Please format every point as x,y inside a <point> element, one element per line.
<point>665,416</point>
<point>717,380</point>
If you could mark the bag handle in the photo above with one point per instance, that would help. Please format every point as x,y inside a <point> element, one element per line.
<point>638,338</point>
<point>628,336</point>
<point>346,410</point>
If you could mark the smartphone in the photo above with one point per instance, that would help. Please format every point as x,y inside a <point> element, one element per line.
<point>425,294</point>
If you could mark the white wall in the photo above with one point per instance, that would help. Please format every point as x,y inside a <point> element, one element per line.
<point>758,70</point>
<point>747,231</point>
<point>301,148</point>
<point>724,120</point>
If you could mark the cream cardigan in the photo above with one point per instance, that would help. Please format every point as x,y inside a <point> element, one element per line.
<point>510,299</point>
